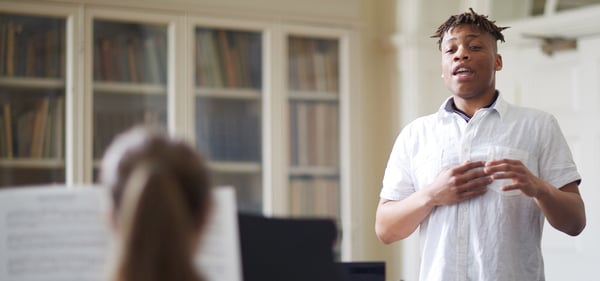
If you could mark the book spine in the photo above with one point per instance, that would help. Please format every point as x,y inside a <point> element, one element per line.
<point>9,130</point>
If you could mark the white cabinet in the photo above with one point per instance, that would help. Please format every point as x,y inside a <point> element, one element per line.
<point>264,100</point>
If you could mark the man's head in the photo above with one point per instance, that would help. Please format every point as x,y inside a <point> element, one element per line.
<point>472,18</point>
<point>470,59</point>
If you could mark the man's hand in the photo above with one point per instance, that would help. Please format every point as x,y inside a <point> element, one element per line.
<point>562,207</point>
<point>459,183</point>
<point>515,170</point>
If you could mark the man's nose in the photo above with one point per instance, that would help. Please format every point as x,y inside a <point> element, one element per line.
<point>461,54</point>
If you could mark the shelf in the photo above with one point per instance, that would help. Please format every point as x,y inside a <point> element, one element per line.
<point>32,83</point>
<point>249,94</point>
<point>235,167</point>
<point>32,163</point>
<point>314,171</point>
<point>130,88</point>
<point>313,95</point>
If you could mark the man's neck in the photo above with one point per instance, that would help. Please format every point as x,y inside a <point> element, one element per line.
<point>470,105</point>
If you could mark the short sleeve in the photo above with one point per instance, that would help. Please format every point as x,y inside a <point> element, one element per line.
<point>397,179</point>
<point>556,160</point>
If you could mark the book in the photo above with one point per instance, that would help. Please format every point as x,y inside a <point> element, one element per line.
<point>302,133</point>
<point>312,136</point>
<point>3,45</point>
<point>255,60</point>
<point>332,135</point>
<point>321,127</point>
<point>2,138</point>
<point>216,64</point>
<point>9,130</point>
<point>10,49</point>
<point>62,51</point>
<point>152,59</point>
<point>39,127</point>
<point>49,130</point>
<point>227,60</point>
<point>240,49</point>
<point>122,61</point>
<point>332,68</point>
<point>24,133</point>
<point>132,61</point>
<point>52,53</point>
<point>30,55</point>
<point>202,76</point>
<point>292,124</point>
<point>59,125</point>
<point>106,62</point>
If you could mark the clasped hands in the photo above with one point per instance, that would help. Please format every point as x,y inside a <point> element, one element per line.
<point>470,179</point>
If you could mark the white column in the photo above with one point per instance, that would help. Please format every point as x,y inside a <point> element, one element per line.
<point>410,71</point>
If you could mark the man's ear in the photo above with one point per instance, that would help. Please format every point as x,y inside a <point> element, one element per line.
<point>498,62</point>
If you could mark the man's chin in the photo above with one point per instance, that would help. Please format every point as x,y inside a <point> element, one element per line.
<point>469,94</point>
<point>466,95</point>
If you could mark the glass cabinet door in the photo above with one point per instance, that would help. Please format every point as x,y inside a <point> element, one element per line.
<point>228,94</point>
<point>32,99</point>
<point>129,79</point>
<point>314,180</point>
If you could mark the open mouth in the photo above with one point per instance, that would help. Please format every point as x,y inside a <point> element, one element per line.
<point>462,70</point>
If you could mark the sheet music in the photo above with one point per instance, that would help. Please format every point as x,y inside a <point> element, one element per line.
<point>52,234</point>
<point>219,256</point>
<point>55,233</point>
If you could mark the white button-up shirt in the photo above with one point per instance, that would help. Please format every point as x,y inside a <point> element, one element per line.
<point>496,236</point>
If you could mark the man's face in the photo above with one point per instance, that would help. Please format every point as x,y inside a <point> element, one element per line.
<point>469,61</point>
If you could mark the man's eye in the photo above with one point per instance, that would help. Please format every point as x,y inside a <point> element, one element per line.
<point>475,47</point>
<point>449,51</point>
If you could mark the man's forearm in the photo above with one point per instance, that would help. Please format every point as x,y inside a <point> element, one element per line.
<point>396,220</point>
<point>563,208</point>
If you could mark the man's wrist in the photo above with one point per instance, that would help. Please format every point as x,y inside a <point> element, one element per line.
<point>427,198</point>
<point>542,191</point>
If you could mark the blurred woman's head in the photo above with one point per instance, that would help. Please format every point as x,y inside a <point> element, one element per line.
<point>161,196</point>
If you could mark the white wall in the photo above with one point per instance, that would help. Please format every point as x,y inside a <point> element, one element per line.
<point>566,85</point>
<point>379,97</point>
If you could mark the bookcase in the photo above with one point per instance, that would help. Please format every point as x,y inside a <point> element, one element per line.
<point>228,111</point>
<point>129,78</point>
<point>313,72</point>
<point>32,99</point>
<point>264,101</point>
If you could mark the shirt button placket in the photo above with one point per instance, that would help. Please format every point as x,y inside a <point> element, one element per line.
<point>463,212</point>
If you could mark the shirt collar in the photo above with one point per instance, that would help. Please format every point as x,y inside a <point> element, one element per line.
<point>447,108</point>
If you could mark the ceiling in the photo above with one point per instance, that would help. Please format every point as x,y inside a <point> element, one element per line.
<point>539,6</point>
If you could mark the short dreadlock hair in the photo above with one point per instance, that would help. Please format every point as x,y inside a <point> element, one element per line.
<point>471,18</point>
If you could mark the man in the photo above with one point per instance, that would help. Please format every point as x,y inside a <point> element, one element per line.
<point>480,175</point>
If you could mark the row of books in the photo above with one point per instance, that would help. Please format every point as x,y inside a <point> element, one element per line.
<point>314,133</point>
<point>228,59</point>
<point>32,50</point>
<point>314,197</point>
<point>32,128</point>
<point>229,129</point>
<point>313,64</point>
<point>131,58</point>
<point>108,124</point>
